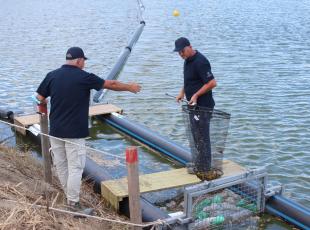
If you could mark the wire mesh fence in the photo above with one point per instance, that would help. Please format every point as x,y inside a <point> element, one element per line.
<point>207,131</point>
<point>227,205</point>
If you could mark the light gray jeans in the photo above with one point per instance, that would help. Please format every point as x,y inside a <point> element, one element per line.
<point>69,160</point>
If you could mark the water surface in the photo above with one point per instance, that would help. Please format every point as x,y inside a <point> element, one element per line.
<point>259,52</point>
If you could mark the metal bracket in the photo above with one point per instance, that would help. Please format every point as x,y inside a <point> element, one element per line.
<point>184,221</point>
<point>35,129</point>
<point>271,191</point>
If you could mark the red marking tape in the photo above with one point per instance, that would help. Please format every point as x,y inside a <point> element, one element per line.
<point>131,154</point>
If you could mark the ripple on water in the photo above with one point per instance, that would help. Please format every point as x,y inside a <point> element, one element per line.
<point>258,52</point>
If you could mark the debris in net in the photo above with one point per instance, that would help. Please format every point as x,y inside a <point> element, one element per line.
<point>235,210</point>
<point>209,175</point>
<point>221,207</point>
<point>207,131</point>
<point>240,215</point>
<point>210,221</point>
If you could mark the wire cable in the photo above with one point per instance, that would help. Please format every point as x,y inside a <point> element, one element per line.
<point>57,138</point>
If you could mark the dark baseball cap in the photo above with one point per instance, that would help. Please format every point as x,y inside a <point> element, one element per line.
<point>74,53</point>
<point>180,44</point>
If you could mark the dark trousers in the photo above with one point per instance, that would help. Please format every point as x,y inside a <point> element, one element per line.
<point>200,129</point>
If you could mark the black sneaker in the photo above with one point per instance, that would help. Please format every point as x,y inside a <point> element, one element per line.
<point>77,207</point>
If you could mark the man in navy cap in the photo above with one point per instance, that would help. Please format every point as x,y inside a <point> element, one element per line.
<point>197,88</point>
<point>69,89</point>
<point>198,78</point>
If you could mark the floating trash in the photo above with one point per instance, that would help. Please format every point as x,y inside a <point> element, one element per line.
<point>226,203</point>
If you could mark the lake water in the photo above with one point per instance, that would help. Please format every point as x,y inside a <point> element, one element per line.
<point>259,52</point>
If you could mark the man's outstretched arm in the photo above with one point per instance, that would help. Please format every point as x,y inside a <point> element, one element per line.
<point>120,86</point>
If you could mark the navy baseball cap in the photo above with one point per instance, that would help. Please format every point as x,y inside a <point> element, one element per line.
<point>74,53</point>
<point>180,44</point>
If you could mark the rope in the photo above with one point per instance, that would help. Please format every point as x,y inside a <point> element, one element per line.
<point>57,138</point>
<point>153,224</point>
<point>148,224</point>
<point>86,147</point>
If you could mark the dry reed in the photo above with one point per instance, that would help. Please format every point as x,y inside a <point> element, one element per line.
<point>21,181</point>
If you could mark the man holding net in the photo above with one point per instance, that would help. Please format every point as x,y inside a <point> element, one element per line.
<point>198,84</point>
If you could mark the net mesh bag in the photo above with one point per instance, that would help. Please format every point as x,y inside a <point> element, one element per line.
<point>207,131</point>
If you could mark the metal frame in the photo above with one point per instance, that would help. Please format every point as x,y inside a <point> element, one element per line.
<point>205,187</point>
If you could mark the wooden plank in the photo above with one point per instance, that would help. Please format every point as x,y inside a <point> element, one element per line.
<point>28,120</point>
<point>25,121</point>
<point>103,109</point>
<point>115,190</point>
<point>231,168</point>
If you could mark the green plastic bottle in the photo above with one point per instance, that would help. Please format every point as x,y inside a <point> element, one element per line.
<point>217,199</point>
<point>218,220</point>
<point>250,206</point>
<point>202,215</point>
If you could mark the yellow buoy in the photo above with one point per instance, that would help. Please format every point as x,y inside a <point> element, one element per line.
<point>176,13</point>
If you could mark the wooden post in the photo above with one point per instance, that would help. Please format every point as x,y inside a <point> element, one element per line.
<point>45,143</point>
<point>133,186</point>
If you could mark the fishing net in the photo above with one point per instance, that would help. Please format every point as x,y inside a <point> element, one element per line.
<point>207,130</point>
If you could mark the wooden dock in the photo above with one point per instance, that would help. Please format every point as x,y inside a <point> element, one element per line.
<point>116,190</point>
<point>28,120</point>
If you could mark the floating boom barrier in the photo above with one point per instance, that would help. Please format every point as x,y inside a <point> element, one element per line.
<point>276,204</point>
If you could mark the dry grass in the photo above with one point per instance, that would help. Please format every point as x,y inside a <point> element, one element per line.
<point>21,180</point>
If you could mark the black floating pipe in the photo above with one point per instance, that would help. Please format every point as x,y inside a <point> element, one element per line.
<point>290,211</point>
<point>277,204</point>
<point>95,173</point>
<point>149,213</point>
<point>148,137</point>
<point>8,115</point>
<point>121,62</point>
